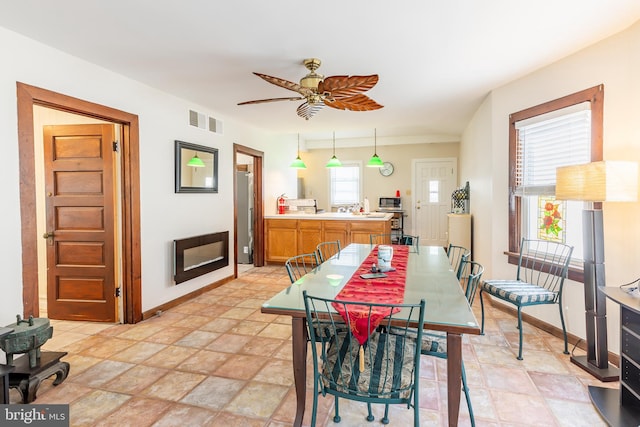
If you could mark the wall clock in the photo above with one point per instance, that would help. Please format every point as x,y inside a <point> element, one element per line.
<point>386,169</point>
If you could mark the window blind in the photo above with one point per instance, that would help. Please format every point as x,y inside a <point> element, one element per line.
<point>545,144</point>
<point>345,184</point>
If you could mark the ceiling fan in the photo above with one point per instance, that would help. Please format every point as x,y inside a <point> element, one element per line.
<point>340,92</point>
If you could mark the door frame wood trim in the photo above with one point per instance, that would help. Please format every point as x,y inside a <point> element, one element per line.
<point>27,97</point>
<point>258,235</point>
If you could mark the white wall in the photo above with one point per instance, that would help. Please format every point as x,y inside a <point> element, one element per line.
<point>163,118</point>
<point>614,62</point>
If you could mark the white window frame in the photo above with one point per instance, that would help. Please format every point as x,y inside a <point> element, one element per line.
<point>358,197</point>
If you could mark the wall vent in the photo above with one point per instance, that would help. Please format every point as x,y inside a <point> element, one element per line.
<point>197,119</point>
<point>215,125</point>
<point>201,121</point>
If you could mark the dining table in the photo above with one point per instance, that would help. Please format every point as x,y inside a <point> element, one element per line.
<point>429,276</point>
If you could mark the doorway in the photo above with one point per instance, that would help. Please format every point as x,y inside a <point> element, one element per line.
<point>129,257</point>
<point>248,207</point>
<point>433,182</point>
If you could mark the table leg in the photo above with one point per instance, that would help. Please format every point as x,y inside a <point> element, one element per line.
<point>454,376</point>
<point>299,341</point>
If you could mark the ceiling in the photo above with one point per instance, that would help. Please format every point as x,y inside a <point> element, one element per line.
<point>436,59</point>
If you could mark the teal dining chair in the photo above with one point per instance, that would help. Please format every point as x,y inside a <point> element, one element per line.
<point>299,265</point>
<point>386,370</point>
<point>434,343</point>
<point>396,239</point>
<point>458,255</point>
<point>326,250</point>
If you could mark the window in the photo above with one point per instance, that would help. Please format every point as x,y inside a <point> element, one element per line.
<point>562,132</point>
<point>345,184</point>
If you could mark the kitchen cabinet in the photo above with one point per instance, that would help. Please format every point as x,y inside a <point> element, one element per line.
<point>281,237</point>
<point>309,235</point>
<point>287,237</point>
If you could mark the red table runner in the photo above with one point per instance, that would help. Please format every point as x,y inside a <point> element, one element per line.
<point>386,290</point>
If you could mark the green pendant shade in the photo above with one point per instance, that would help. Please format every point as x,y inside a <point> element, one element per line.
<point>196,162</point>
<point>298,163</point>
<point>333,161</point>
<point>375,161</point>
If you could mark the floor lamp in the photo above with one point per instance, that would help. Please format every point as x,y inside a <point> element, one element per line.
<point>596,182</point>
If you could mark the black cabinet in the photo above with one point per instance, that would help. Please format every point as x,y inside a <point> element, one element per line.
<point>397,225</point>
<point>622,407</point>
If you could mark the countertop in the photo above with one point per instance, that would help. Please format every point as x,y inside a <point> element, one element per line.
<point>373,216</point>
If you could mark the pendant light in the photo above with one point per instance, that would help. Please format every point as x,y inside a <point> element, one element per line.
<point>333,161</point>
<point>196,162</point>
<point>375,161</point>
<point>298,163</point>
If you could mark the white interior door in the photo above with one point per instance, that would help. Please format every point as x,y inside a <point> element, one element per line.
<point>433,182</point>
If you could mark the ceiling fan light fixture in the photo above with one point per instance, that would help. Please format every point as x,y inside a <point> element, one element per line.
<point>196,162</point>
<point>375,161</point>
<point>311,80</point>
<point>298,163</point>
<point>333,161</point>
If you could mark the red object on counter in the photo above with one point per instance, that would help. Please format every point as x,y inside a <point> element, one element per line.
<point>281,205</point>
<point>397,193</point>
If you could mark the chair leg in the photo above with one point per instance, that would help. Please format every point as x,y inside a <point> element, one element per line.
<point>370,413</point>
<point>466,395</point>
<point>336,417</point>
<point>482,309</point>
<point>385,418</point>
<point>564,329</point>
<point>314,409</point>
<point>520,332</point>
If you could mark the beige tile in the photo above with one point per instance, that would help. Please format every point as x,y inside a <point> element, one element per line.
<point>170,357</point>
<point>137,411</point>
<point>214,392</point>
<point>135,379</point>
<point>101,373</point>
<point>176,415</point>
<point>174,385</point>
<point>94,406</point>
<point>204,362</point>
<point>257,400</point>
<point>241,366</point>
<point>139,352</point>
<point>229,343</point>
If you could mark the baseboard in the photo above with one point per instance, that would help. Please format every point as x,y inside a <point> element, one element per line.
<point>174,303</point>
<point>614,358</point>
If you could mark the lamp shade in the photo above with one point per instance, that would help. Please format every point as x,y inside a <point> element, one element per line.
<point>375,162</point>
<point>334,162</point>
<point>605,181</point>
<point>298,164</point>
<point>196,162</point>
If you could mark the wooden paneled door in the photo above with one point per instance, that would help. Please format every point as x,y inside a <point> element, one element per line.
<point>80,217</point>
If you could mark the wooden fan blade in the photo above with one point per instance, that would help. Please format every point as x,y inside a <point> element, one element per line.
<point>345,86</point>
<point>260,101</point>
<point>354,103</point>
<point>306,110</point>
<point>286,84</point>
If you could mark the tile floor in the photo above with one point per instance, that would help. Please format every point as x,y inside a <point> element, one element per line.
<point>218,361</point>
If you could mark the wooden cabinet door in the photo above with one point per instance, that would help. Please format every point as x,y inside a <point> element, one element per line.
<point>336,230</point>
<point>361,230</point>
<point>309,235</point>
<point>281,239</point>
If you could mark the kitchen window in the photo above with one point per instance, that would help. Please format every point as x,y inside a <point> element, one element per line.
<point>345,184</point>
<point>562,132</point>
